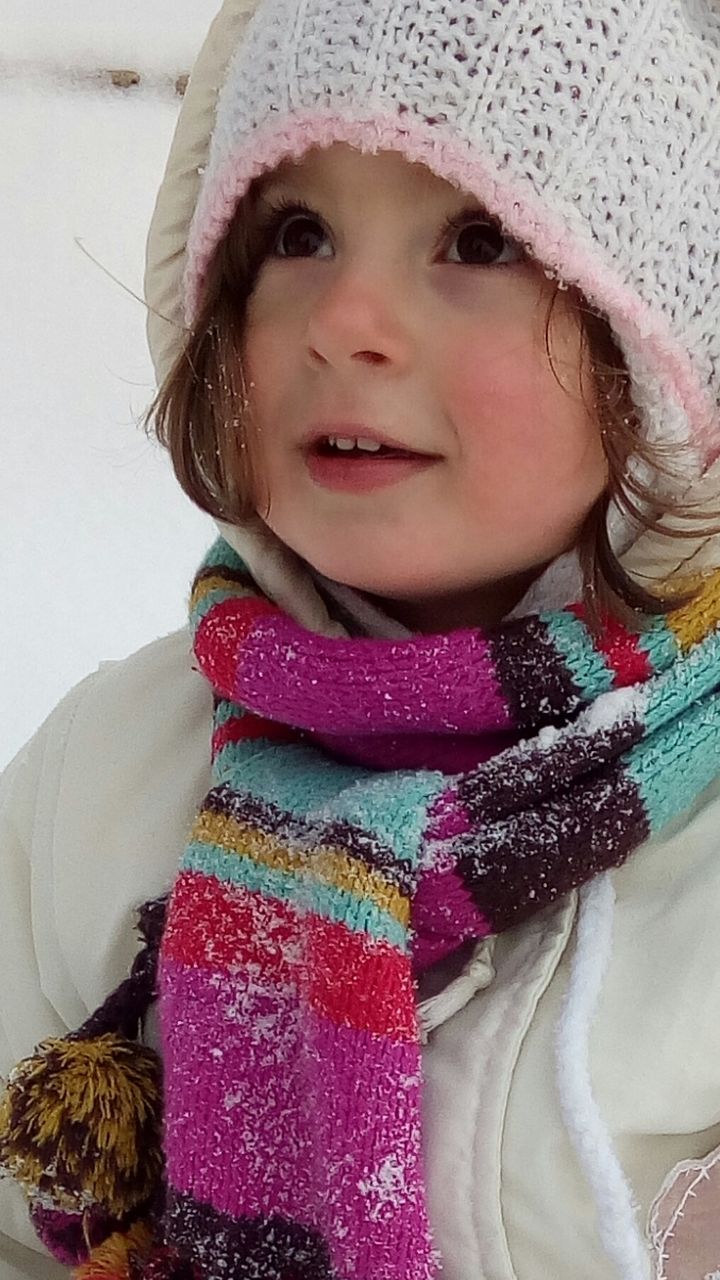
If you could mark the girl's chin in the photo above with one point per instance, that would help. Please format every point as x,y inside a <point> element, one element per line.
<point>378,585</point>
<point>418,570</point>
<point>388,587</point>
<point>435,586</point>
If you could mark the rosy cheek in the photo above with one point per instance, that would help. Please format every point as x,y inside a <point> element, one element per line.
<point>520,437</point>
<point>494,395</point>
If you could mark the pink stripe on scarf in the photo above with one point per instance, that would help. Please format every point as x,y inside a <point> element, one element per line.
<point>239,1063</point>
<point>381,685</point>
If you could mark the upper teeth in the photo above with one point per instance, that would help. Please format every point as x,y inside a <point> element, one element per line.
<point>356,442</point>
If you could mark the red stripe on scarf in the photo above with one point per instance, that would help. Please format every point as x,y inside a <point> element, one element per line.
<point>221,636</point>
<point>248,727</point>
<point>353,979</point>
<point>620,648</point>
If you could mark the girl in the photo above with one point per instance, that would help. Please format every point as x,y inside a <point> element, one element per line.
<point>434,989</point>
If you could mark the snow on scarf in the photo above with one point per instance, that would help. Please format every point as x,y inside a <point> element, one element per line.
<point>375,804</point>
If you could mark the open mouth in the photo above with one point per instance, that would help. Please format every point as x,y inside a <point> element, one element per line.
<point>345,447</point>
<point>359,465</point>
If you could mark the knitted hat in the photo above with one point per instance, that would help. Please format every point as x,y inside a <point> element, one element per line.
<point>591,132</point>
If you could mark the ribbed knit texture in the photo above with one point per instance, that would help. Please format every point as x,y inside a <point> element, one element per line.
<point>313,890</point>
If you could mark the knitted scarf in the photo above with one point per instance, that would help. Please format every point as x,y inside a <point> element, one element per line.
<point>375,803</point>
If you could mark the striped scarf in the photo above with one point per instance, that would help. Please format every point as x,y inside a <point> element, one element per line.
<point>375,804</point>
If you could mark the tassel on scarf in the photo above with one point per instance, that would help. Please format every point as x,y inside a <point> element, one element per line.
<point>81,1119</point>
<point>113,1259</point>
<point>133,1255</point>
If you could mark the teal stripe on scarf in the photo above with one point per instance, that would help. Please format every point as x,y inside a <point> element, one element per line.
<point>222,554</point>
<point>362,915</point>
<point>688,680</point>
<point>660,644</point>
<point>225,711</point>
<point>680,753</point>
<point>574,644</point>
<point>300,780</point>
<point>688,751</point>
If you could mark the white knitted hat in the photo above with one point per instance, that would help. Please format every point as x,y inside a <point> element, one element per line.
<point>592,131</point>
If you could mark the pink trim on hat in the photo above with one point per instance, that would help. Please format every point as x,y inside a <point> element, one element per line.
<point>512,200</point>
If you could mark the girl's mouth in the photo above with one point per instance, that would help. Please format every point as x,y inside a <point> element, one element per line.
<point>361,469</point>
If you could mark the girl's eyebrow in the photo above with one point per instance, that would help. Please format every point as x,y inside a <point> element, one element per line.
<point>274,182</point>
<point>267,182</point>
<point>288,176</point>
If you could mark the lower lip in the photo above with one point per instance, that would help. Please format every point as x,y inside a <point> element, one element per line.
<point>360,475</point>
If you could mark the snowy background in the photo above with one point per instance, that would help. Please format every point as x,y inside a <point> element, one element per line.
<point>99,544</point>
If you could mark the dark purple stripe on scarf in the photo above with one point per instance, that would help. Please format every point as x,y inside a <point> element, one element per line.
<point>447,753</point>
<point>269,1248</point>
<point>534,679</point>
<point>517,866</point>
<point>539,773</point>
<point>297,831</point>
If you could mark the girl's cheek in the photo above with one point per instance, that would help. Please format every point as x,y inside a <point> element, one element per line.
<point>514,424</point>
<point>492,381</point>
<point>268,306</point>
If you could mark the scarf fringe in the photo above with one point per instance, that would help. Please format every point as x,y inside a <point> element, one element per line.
<point>113,1259</point>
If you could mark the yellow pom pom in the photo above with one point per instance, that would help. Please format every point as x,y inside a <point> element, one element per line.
<point>111,1259</point>
<point>80,1124</point>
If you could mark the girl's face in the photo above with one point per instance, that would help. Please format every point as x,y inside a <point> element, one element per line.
<point>371,309</point>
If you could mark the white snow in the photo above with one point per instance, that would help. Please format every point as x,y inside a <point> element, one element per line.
<point>611,708</point>
<point>152,35</point>
<point>98,542</point>
<point>385,1186</point>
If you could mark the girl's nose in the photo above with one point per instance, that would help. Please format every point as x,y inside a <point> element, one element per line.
<point>359,316</point>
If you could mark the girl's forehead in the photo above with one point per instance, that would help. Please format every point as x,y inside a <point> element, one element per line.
<point>342,165</point>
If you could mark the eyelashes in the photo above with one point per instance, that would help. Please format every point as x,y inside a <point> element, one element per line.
<point>278,213</point>
<point>284,208</point>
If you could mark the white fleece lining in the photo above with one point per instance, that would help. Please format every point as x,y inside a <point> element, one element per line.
<point>616,1209</point>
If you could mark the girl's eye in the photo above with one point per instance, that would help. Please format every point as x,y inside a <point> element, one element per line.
<point>294,230</point>
<point>301,228</point>
<point>482,244</point>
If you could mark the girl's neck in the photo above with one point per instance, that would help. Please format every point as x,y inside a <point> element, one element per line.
<point>483,606</point>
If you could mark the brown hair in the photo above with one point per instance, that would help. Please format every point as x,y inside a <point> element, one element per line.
<point>200,414</point>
